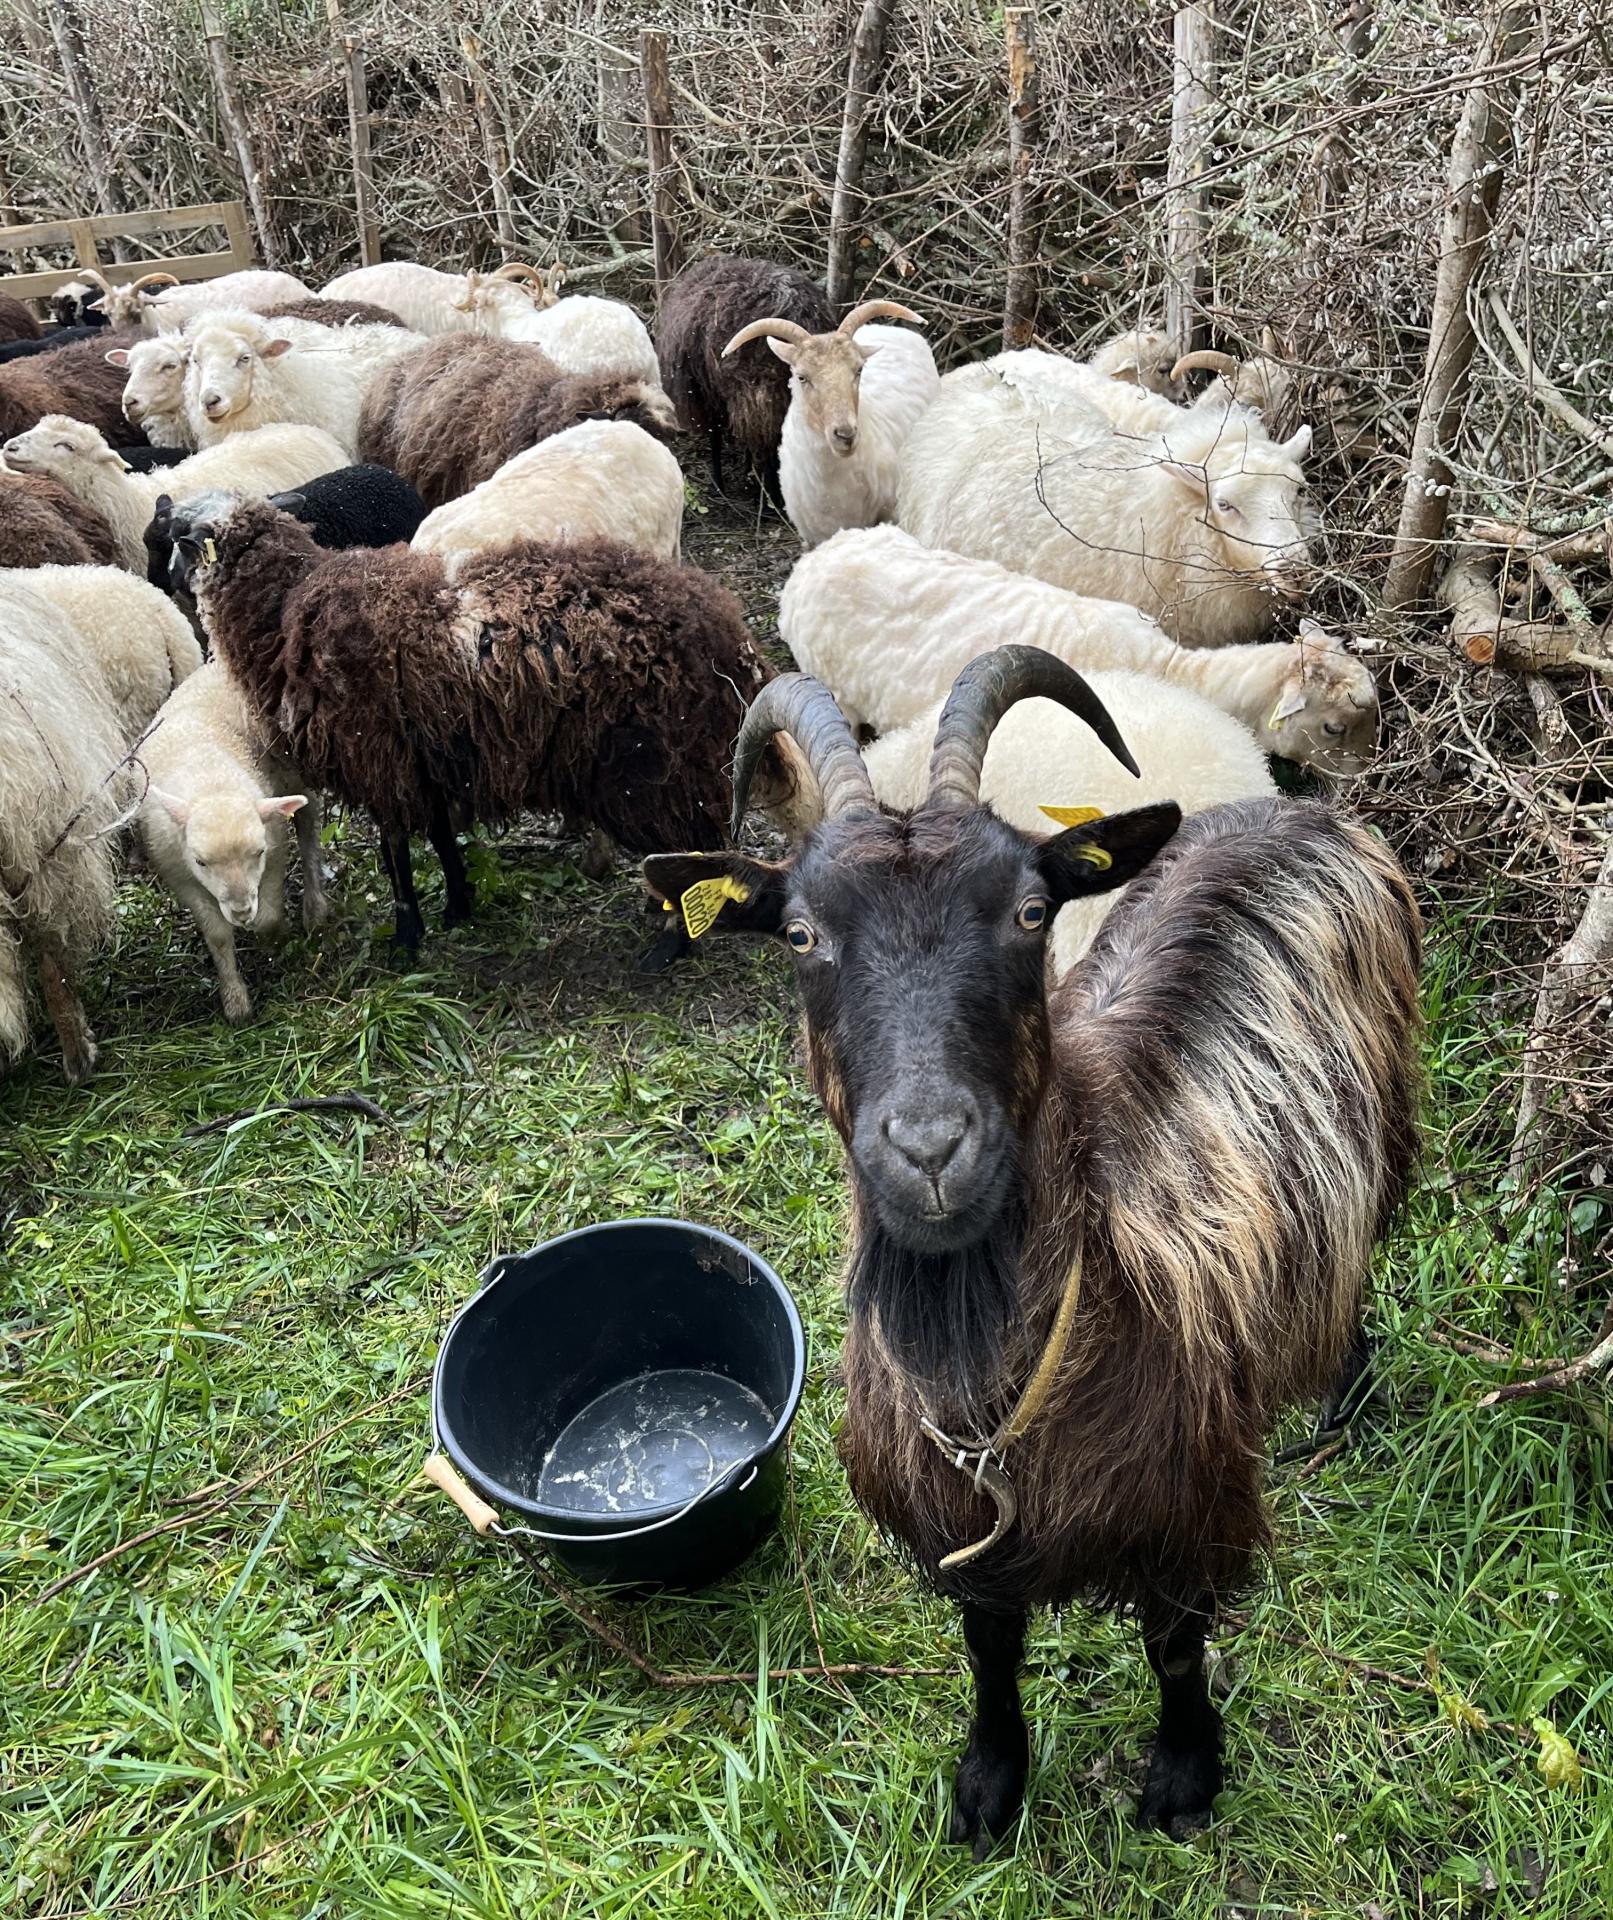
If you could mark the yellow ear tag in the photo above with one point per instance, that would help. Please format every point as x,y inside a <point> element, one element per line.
<point>703,901</point>
<point>1276,718</point>
<point>209,552</point>
<point>1073,816</point>
<point>1098,857</point>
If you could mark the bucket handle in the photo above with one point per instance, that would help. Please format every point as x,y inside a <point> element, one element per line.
<point>442,1472</point>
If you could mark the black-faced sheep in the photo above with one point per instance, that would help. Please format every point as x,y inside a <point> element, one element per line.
<point>449,414</point>
<point>745,398</point>
<point>16,321</point>
<point>74,380</point>
<point>1103,1233</point>
<point>591,681</point>
<point>42,524</point>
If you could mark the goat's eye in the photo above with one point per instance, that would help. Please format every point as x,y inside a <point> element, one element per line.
<point>803,378</point>
<point>200,861</point>
<point>242,358</point>
<point>1032,915</point>
<point>1334,729</point>
<point>1224,505</point>
<point>800,936</point>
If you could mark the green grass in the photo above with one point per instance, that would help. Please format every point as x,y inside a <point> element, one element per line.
<point>328,1698</point>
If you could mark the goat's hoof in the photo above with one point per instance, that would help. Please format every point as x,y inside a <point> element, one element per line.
<point>237,1008</point>
<point>405,941</point>
<point>315,912</point>
<point>1179,1793</point>
<point>986,1796</point>
<point>78,1063</point>
<point>457,912</point>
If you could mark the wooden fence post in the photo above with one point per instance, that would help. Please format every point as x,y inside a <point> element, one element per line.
<point>1020,297</point>
<point>358,124</point>
<point>494,150</point>
<point>1191,104</point>
<point>862,82</point>
<point>658,138</point>
<point>1473,186</point>
<point>234,118</point>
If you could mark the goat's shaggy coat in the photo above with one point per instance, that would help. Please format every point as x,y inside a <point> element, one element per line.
<point>42,524</point>
<point>16,321</point>
<point>75,380</point>
<point>449,414</point>
<point>744,398</point>
<point>334,313</point>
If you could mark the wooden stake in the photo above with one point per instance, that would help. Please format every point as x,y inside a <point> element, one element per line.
<point>669,255</point>
<point>1191,106</point>
<point>862,83</point>
<point>358,125</point>
<point>68,36</point>
<point>234,118</point>
<point>1473,186</point>
<point>495,150</point>
<point>1020,297</point>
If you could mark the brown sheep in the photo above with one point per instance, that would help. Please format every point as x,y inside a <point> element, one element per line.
<point>593,681</point>
<point>449,414</point>
<point>334,313</point>
<point>43,525</point>
<point>746,397</point>
<point>75,380</point>
<point>16,322</point>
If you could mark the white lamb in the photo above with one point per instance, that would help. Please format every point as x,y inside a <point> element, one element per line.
<point>141,643</point>
<point>64,785</point>
<point>600,479</point>
<point>855,395</point>
<point>269,460</point>
<point>154,392</point>
<point>1042,756</point>
<point>214,824</point>
<point>248,372</point>
<point>1205,528</point>
<point>888,625</point>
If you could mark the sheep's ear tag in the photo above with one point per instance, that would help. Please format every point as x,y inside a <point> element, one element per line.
<point>209,552</point>
<point>703,901</point>
<point>1098,857</point>
<point>1073,816</point>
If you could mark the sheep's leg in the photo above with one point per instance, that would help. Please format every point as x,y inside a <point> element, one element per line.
<point>1184,1770</point>
<point>315,900</point>
<point>233,996</point>
<point>990,1787</point>
<point>1353,1387</point>
<point>461,894</point>
<point>79,1051</point>
<point>407,925</point>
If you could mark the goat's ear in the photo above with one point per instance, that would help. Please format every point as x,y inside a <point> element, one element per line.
<point>1105,854</point>
<point>285,805</point>
<point>118,357</point>
<point>1291,700</point>
<point>1190,476</point>
<point>740,895</point>
<point>273,349</point>
<point>784,349</point>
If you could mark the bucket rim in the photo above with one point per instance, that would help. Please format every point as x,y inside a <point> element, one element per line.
<point>562,1519</point>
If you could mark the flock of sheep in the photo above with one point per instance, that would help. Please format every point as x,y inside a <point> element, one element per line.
<point>427,528</point>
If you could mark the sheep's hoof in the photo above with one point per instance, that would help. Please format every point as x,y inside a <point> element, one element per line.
<point>407,933</point>
<point>1179,1793</point>
<point>987,1794</point>
<point>78,1063</point>
<point>315,912</point>
<point>237,1007</point>
<point>457,912</point>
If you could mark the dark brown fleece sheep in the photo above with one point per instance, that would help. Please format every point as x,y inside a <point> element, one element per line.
<point>74,380</point>
<point>43,525</point>
<point>593,681</point>
<point>333,313</point>
<point>746,397</point>
<point>16,322</point>
<point>450,413</point>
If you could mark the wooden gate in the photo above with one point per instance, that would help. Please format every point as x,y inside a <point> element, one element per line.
<point>85,237</point>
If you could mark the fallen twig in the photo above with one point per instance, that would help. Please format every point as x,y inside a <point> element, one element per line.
<point>1567,1373</point>
<point>323,1103</point>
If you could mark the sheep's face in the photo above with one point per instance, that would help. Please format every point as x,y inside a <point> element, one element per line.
<point>1250,499</point>
<point>920,946</point>
<point>156,378</point>
<point>78,304</point>
<point>1326,715</point>
<point>826,371</point>
<point>199,528</point>
<point>224,841</point>
<point>60,448</point>
<point>1140,358</point>
<point>223,364</point>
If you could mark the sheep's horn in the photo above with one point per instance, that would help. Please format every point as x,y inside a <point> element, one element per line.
<point>983,693</point>
<point>96,278</point>
<point>805,709</point>
<point>517,270</point>
<point>789,330</point>
<point>153,279</point>
<point>1207,362</point>
<point>877,310</point>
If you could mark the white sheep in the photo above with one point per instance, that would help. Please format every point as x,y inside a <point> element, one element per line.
<point>855,394</point>
<point>65,783</point>
<point>154,392</point>
<point>1041,756</point>
<point>604,479</point>
<point>431,302</point>
<point>140,642</point>
<point>888,625</point>
<point>1204,527</point>
<point>214,824</point>
<point>248,372</point>
<point>265,461</point>
<point>586,333</point>
<point>252,291</point>
<point>1141,357</point>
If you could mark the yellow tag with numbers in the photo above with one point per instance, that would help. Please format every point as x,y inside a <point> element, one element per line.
<point>209,552</point>
<point>1276,719</point>
<point>1073,816</point>
<point>1097,857</point>
<point>703,901</point>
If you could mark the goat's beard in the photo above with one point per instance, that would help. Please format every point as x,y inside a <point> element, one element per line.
<point>953,1322</point>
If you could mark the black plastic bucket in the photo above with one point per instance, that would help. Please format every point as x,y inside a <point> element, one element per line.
<point>626,1389</point>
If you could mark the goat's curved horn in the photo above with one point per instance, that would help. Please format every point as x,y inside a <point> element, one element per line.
<point>790,330</point>
<point>983,693</point>
<point>517,270</point>
<point>1207,362</point>
<point>877,310</point>
<point>95,277</point>
<point>805,709</point>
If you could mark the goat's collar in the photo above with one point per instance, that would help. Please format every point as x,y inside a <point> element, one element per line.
<point>981,1462</point>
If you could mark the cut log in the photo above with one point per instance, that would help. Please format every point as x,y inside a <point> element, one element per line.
<point>1021,295</point>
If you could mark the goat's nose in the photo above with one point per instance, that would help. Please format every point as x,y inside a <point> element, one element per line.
<point>926,1141</point>
<point>846,437</point>
<point>212,401</point>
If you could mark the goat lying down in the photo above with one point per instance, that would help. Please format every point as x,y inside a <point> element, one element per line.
<point>1104,1232</point>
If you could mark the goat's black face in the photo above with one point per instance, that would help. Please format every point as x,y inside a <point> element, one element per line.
<point>920,946</point>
